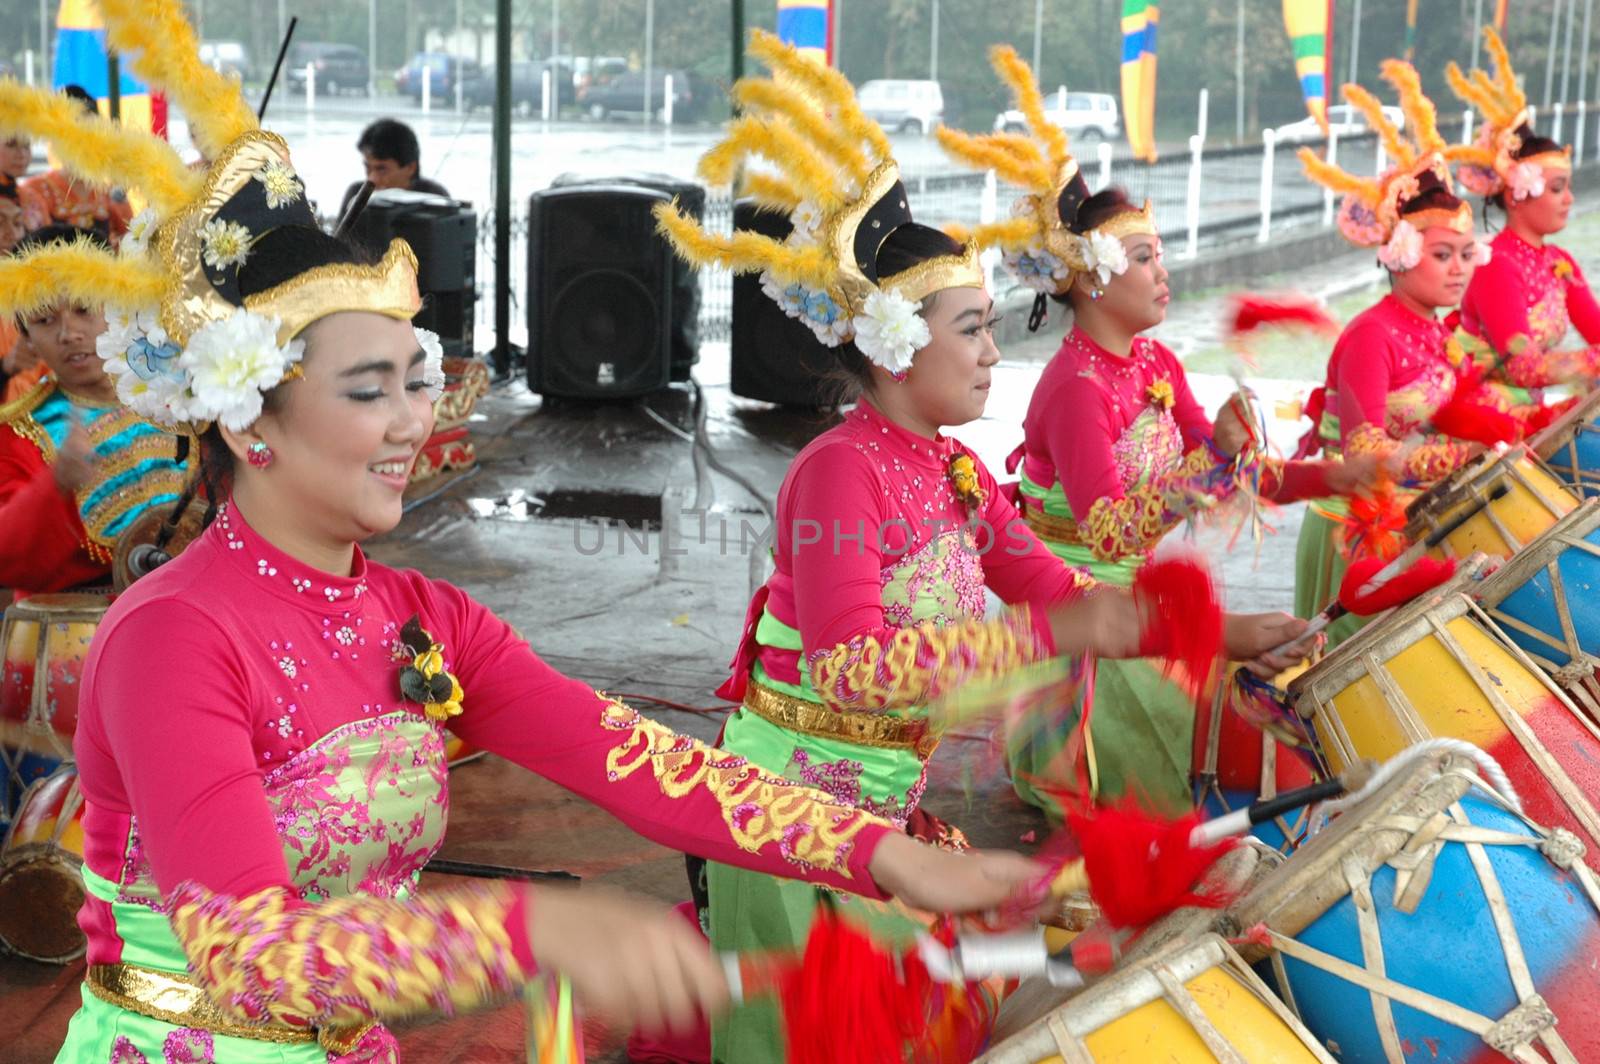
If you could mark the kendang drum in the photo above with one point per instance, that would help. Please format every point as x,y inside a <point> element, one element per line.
<point>1431,669</point>
<point>41,872</point>
<point>1545,601</point>
<point>1434,921</point>
<point>450,448</point>
<point>45,640</point>
<point>1502,524</point>
<point>154,538</point>
<point>1193,1001</point>
<point>1570,446</point>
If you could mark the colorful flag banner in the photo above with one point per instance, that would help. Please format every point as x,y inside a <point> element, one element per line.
<point>804,24</point>
<point>1500,15</point>
<point>80,59</point>
<point>1411,30</point>
<point>1310,26</point>
<point>1140,19</point>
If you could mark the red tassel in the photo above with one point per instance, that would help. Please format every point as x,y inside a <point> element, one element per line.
<point>1184,619</point>
<point>850,999</point>
<point>1251,312</point>
<point>1542,417</point>
<point>1141,866</point>
<point>1424,575</point>
<point>1376,526</point>
<point>1471,413</point>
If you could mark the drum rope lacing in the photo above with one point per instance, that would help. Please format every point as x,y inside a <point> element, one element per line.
<point>1531,1019</point>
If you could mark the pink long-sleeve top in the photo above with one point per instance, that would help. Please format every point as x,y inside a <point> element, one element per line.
<point>249,763</point>
<point>1125,487</point>
<point>1389,372</point>
<point>863,502</point>
<point>1522,303</point>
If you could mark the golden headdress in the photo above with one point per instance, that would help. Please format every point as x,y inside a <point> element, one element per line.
<point>1041,247</point>
<point>1489,164</point>
<point>1373,211</point>
<point>185,346</point>
<point>840,187</point>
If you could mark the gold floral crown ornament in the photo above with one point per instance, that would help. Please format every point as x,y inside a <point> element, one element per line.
<point>1489,165</point>
<point>1041,247</point>
<point>830,172</point>
<point>186,347</point>
<point>1373,212</point>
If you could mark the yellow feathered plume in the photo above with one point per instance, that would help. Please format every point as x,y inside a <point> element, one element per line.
<point>1013,234</point>
<point>744,252</point>
<point>1499,100</point>
<point>769,190</point>
<point>165,53</point>
<point>1362,100</point>
<point>78,271</point>
<point>1470,154</point>
<point>96,149</point>
<point>776,140</point>
<point>762,95</point>
<point>1419,110</point>
<point>835,94</point>
<point>1332,177</point>
<point>1015,158</point>
<point>1025,88</point>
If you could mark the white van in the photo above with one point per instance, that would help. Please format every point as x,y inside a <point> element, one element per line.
<point>1088,117</point>
<point>907,106</point>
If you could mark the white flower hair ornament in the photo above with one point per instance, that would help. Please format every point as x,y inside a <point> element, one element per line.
<point>1526,181</point>
<point>890,330</point>
<point>1485,253</point>
<point>1104,256</point>
<point>1404,248</point>
<point>433,362</point>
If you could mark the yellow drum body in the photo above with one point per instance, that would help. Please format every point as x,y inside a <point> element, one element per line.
<point>1535,500</point>
<point>1432,669</point>
<point>1193,1001</point>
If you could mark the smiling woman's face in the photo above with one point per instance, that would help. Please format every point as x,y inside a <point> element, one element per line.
<point>345,435</point>
<point>948,383</point>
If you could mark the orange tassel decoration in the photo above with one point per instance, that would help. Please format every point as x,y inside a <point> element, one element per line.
<point>1471,414</point>
<point>1376,526</point>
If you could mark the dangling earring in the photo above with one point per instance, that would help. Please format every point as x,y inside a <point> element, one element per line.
<point>1097,294</point>
<point>259,455</point>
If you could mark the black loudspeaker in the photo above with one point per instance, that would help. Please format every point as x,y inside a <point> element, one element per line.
<point>691,198</point>
<point>599,293</point>
<point>444,235</point>
<point>776,358</point>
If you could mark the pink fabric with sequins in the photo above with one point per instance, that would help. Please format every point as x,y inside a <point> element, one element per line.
<point>1389,368</point>
<point>1519,292</point>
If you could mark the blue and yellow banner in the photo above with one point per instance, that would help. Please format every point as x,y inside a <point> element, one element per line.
<point>1310,26</point>
<point>804,24</point>
<point>1140,19</point>
<point>80,59</point>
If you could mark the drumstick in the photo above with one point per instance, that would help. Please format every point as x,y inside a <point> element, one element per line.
<point>1336,609</point>
<point>1242,820</point>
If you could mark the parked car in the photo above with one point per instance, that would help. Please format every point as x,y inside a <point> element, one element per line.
<point>593,69</point>
<point>1342,119</point>
<point>908,106</point>
<point>340,67</point>
<point>441,70</point>
<point>527,86</point>
<point>228,57</point>
<point>1088,117</point>
<point>624,94</point>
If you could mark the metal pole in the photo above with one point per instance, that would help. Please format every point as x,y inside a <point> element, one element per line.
<point>200,19</point>
<point>458,79</point>
<point>113,86</point>
<point>1238,79</point>
<point>1038,33</point>
<point>283,19</point>
<point>502,188</point>
<point>1268,155</point>
<point>1566,61</point>
<point>372,46</point>
<point>44,41</point>
<point>737,26</point>
<point>1355,45</point>
<point>1583,53</point>
<point>1550,57</point>
<point>933,48</point>
<point>649,56</point>
<point>1477,31</point>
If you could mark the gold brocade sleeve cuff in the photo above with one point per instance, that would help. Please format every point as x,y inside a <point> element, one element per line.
<point>1530,366</point>
<point>1433,460</point>
<point>1117,528</point>
<point>918,663</point>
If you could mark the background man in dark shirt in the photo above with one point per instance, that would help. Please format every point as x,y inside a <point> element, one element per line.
<point>389,150</point>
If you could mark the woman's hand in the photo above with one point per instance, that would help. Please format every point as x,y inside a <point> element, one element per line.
<point>629,959</point>
<point>1105,623</point>
<point>928,878</point>
<point>74,465</point>
<point>1362,474</point>
<point>1229,433</point>
<point>1253,637</point>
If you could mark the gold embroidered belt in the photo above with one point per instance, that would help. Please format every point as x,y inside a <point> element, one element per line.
<point>816,719</point>
<point>173,997</point>
<point>1050,526</point>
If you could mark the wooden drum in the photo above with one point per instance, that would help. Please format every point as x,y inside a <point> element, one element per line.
<point>1534,501</point>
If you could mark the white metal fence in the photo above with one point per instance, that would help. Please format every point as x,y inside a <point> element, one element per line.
<point>1205,199</point>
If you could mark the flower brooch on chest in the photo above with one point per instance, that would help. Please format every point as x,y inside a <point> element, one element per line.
<point>963,474</point>
<point>1160,394</point>
<point>423,679</point>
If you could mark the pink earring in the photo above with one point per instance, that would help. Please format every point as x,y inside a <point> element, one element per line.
<point>259,455</point>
